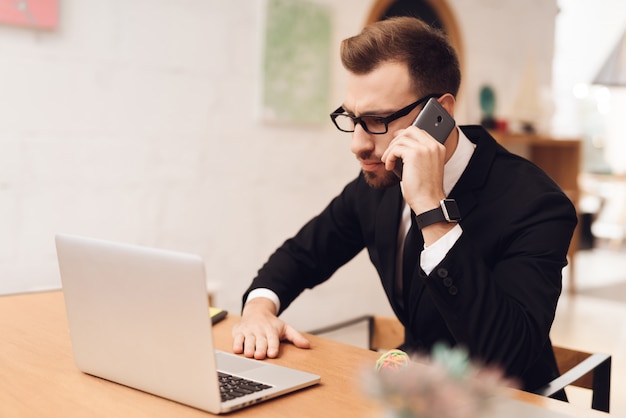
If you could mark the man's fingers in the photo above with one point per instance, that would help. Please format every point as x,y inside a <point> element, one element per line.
<point>261,340</point>
<point>260,349</point>
<point>238,342</point>
<point>273,346</point>
<point>249,347</point>
<point>296,338</point>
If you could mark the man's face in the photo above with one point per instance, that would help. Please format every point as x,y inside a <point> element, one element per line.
<point>380,92</point>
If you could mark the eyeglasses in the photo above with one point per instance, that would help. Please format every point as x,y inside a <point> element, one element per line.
<point>373,124</point>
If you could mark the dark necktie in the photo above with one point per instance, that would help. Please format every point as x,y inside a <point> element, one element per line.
<point>413,245</point>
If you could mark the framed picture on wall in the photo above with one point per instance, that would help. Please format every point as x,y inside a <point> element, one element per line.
<point>39,14</point>
<point>296,62</point>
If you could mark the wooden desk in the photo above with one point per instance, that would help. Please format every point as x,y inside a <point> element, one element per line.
<point>38,377</point>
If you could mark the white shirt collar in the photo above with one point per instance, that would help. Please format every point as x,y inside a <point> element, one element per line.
<point>455,166</point>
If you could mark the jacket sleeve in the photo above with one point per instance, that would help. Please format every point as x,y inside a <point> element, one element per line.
<point>322,245</point>
<point>498,296</point>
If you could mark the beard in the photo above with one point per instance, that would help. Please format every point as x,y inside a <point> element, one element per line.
<point>378,181</point>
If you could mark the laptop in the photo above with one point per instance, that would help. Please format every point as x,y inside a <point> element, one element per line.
<point>139,316</point>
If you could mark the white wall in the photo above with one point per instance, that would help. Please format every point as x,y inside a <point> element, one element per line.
<point>139,126</point>
<point>586,32</point>
<point>505,40</point>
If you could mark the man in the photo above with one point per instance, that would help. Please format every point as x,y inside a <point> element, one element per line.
<point>489,281</point>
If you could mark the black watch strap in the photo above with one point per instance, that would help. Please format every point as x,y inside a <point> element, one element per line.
<point>448,211</point>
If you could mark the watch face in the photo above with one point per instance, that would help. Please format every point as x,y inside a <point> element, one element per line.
<point>451,210</point>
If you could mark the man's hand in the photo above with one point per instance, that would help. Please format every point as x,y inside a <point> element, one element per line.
<point>424,159</point>
<point>260,332</point>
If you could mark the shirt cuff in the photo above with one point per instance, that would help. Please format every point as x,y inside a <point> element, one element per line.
<point>434,253</point>
<point>264,293</point>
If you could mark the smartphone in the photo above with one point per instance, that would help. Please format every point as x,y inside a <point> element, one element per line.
<point>435,120</point>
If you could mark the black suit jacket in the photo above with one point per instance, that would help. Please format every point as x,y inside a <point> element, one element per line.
<point>496,290</point>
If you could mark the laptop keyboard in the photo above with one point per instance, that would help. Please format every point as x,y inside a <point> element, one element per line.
<point>232,387</point>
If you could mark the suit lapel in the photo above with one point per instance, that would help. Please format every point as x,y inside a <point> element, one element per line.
<point>477,171</point>
<point>473,178</point>
<point>389,212</point>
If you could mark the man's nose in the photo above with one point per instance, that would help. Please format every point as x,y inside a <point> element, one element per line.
<point>362,141</point>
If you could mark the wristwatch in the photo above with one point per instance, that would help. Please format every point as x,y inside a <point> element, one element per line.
<point>448,211</point>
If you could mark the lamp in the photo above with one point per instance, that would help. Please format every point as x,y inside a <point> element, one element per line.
<point>611,79</point>
<point>613,71</point>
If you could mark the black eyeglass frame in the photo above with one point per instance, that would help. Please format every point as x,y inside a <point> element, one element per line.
<point>386,120</point>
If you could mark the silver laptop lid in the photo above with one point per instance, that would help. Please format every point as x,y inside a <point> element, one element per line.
<point>139,316</point>
<point>134,315</point>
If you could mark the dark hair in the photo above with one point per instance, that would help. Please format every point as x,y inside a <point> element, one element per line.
<point>432,62</point>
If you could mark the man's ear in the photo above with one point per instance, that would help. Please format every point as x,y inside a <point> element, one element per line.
<point>448,102</point>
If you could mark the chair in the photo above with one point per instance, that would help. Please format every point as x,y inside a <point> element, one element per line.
<point>577,368</point>
<point>586,370</point>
